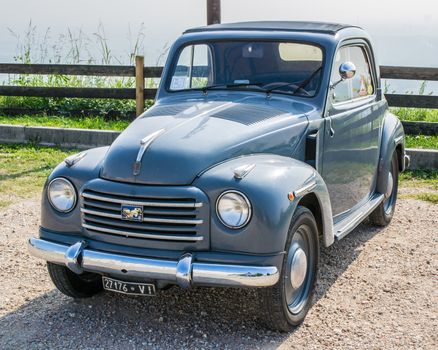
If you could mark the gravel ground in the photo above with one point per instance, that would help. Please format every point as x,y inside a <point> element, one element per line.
<point>377,290</point>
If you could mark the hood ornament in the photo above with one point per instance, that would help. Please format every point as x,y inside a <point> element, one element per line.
<point>144,144</point>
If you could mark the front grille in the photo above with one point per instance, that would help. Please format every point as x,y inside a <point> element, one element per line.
<point>165,220</point>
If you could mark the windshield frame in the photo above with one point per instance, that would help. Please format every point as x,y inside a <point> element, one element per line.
<point>208,41</point>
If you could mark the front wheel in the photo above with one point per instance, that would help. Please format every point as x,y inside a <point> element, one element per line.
<point>286,304</point>
<point>73,285</point>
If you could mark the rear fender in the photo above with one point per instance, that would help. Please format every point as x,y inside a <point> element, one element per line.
<point>393,137</point>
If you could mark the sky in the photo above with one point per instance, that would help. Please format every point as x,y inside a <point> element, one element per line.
<point>405,33</point>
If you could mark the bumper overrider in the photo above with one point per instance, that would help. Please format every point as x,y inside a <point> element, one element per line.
<point>185,272</point>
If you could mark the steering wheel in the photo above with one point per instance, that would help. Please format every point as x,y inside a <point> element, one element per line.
<point>295,87</point>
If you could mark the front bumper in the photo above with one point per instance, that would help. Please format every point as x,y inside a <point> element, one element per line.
<point>184,272</point>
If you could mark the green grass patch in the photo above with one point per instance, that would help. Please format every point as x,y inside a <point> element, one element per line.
<point>66,122</point>
<point>424,196</point>
<point>24,169</point>
<point>421,141</point>
<point>428,197</point>
<point>416,114</point>
<point>419,178</point>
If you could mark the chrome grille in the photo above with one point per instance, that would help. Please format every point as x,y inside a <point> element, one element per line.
<point>164,219</point>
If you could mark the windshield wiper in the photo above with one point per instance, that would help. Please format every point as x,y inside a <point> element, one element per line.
<point>233,85</point>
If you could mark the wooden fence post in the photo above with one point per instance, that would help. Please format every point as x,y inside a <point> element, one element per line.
<point>139,85</point>
<point>213,11</point>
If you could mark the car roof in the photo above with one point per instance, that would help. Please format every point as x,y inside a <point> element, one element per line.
<point>290,26</point>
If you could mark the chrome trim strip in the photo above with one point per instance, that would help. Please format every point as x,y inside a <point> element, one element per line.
<point>398,139</point>
<point>243,170</point>
<point>164,237</point>
<point>174,221</point>
<point>98,213</point>
<point>144,144</point>
<point>184,272</point>
<point>305,189</point>
<point>74,191</point>
<point>248,203</point>
<point>146,204</point>
<point>358,218</point>
<point>73,159</point>
<point>146,219</point>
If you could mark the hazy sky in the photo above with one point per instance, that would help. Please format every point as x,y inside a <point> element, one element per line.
<point>404,32</point>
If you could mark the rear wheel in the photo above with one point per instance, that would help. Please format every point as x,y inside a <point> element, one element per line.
<point>382,215</point>
<point>73,285</point>
<point>286,304</point>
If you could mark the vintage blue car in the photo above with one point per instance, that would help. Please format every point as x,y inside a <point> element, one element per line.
<point>267,140</point>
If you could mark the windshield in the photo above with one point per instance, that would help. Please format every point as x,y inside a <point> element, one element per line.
<point>270,66</point>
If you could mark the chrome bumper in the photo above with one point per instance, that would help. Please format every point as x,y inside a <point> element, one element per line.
<point>183,272</point>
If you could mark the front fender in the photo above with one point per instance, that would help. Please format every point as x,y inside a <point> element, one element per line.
<point>267,187</point>
<point>86,169</point>
<point>393,136</point>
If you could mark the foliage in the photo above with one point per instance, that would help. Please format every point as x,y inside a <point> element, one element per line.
<point>80,122</point>
<point>422,141</point>
<point>416,114</point>
<point>24,169</point>
<point>72,48</point>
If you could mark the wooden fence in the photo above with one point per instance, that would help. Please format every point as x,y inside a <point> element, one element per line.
<point>140,73</point>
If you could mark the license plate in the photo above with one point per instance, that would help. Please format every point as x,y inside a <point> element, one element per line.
<point>113,285</point>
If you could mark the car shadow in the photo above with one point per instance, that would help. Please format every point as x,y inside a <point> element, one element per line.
<point>176,318</point>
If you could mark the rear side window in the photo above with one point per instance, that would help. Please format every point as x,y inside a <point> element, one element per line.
<point>361,84</point>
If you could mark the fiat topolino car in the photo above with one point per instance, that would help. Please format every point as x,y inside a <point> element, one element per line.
<point>266,141</point>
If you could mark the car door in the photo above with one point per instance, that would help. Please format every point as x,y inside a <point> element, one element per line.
<point>352,130</point>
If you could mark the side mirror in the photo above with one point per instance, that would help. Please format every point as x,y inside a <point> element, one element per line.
<point>347,70</point>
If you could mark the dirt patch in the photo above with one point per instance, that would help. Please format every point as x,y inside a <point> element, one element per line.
<point>377,289</point>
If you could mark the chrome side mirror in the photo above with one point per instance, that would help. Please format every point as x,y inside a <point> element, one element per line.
<point>347,70</point>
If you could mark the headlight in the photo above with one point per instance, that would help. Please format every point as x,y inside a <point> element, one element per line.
<point>233,209</point>
<point>62,194</point>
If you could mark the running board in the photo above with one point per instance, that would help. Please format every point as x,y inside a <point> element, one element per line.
<point>345,226</point>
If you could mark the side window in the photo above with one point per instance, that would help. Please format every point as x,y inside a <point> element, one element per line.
<point>361,84</point>
<point>193,69</point>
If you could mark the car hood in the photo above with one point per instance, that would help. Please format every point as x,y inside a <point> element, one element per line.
<point>183,139</point>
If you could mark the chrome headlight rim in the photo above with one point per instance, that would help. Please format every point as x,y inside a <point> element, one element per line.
<point>248,203</point>
<point>75,199</point>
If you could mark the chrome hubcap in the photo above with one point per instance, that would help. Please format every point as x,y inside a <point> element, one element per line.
<point>298,268</point>
<point>390,185</point>
<point>298,272</point>
<point>388,204</point>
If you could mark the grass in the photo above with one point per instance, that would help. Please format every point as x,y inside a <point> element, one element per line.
<point>428,197</point>
<point>416,114</point>
<point>24,169</point>
<point>422,141</point>
<point>66,122</point>
<point>419,178</point>
<point>422,185</point>
<point>73,47</point>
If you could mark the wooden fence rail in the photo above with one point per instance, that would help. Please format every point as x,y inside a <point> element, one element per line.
<point>140,73</point>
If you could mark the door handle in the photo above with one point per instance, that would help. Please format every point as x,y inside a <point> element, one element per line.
<point>331,130</point>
